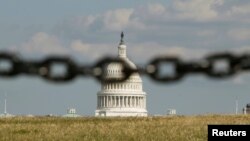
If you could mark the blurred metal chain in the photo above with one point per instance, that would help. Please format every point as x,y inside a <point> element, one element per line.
<point>181,68</point>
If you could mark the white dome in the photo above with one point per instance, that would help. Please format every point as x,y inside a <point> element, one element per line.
<point>114,70</point>
<point>125,98</point>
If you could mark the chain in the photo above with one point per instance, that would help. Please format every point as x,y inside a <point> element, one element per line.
<point>154,69</point>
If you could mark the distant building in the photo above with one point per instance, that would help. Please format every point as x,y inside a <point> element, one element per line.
<point>29,115</point>
<point>125,98</point>
<point>246,110</point>
<point>171,112</point>
<point>71,112</point>
<point>6,115</point>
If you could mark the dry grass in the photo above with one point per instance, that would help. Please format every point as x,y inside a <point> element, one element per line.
<point>177,128</point>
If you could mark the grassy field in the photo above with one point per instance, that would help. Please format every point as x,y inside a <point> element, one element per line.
<point>176,128</point>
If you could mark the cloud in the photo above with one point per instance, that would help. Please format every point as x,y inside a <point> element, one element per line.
<point>78,46</point>
<point>238,12</point>
<point>149,50</point>
<point>238,80</point>
<point>84,21</point>
<point>156,9</point>
<point>242,9</point>
<point>91,50</point>
<point>199,10</point>
<point>139,52</point>
<point>117,19</point>
<point>188,28</point>
<point>180,18</point>
<point>239,34</point>
<point>41,43</point>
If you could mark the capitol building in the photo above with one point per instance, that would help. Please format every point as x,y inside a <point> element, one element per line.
<point>124,98</point>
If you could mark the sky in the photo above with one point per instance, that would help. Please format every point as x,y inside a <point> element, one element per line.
<point>89,30</point>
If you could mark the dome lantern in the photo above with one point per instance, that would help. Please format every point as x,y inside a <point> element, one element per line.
<point>122,48</point>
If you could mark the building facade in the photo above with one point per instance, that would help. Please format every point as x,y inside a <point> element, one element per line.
<point>124,98</point>
<point>246,110</point>
<point>71,112</point>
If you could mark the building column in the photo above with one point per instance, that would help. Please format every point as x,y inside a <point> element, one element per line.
<point>140,102</point>
<point>122,101</point>
<point>110,105</point>
<point>137,99</point>
<point>107,101</point>
<point>125,104</point>
<point>133,98</point>
<point>127,101</point>
<point>113,101</point>
<point>134,101</point>
<point>118,100</point>
<point>131,101</point>
<point>101,100</point>
<point>104,99</point>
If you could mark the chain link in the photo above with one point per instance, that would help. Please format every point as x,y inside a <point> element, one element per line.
<point>206,66</point>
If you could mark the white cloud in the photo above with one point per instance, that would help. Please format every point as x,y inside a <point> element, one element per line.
<point>78,46</point>
<point>241,9</point>
<point>41,43</point>
<point>149,50</point>
<point>238,13</point>
<point>199,10</point>
<point>238,80</point>
<point>155,28</point>
<point>85,21</point>
<point>91,50</point>
<point>156,9</point>
<point>142,51</point>
<point>239,34</point>
<point>153,16</point>
<point>136,51</point>
<point>117,19</point>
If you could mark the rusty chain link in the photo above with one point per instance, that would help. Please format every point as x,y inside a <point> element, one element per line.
<point>206,66</point>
